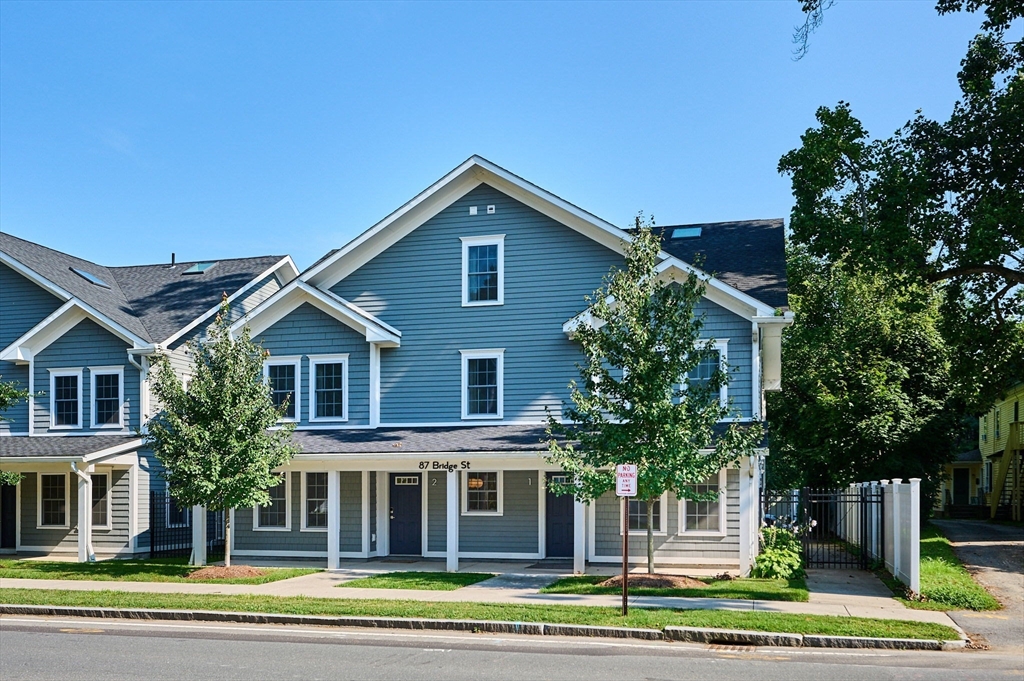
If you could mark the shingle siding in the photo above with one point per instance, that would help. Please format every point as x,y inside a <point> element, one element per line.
<point>85,345</point>
<point>23,304</point>
<point>307,331</point>
<point>416,286</point>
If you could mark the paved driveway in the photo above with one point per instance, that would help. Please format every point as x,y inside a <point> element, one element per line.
<point>995,556</point>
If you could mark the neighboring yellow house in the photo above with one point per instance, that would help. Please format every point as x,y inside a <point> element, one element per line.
<point>1000,440</point>
<point>987,480</point>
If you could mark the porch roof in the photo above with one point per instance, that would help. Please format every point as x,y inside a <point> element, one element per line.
<point>66,447</point>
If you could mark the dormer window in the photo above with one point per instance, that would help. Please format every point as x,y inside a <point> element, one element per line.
<point>483,270</point>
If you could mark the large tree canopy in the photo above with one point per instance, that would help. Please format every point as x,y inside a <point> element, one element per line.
<point>941,203</point>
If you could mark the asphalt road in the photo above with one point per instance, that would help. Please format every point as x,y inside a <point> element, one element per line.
<point>994,554</point>
<point>71,649</point>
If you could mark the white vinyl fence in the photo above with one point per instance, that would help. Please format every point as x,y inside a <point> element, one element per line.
<point>896,522</point>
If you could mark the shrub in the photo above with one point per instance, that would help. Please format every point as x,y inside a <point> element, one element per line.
<point>780,556</point>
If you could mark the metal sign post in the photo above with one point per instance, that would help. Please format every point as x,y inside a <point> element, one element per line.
<point>625,487</point>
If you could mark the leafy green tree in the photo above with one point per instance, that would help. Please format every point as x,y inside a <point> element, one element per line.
<point>634,403</point>
<point>219,438</point>
<point>10,394</point>
<point>865,380</point>
<point>938,203</point>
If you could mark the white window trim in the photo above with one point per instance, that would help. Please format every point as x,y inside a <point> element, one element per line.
<point>167,510</point>
<point>93,372</point>
<point>722,346</point>
<point>302,524</point>
<point>660,530</point>
<point>295,361</point>
<point>54,373</point>
<point>467,355</point>
<point>723,530</point>
<point>106,474</point>
<point>314,361</point>
<point>465,494</point>
<point>67,501</point>
<point>492,240</point>
<point>256,527</point>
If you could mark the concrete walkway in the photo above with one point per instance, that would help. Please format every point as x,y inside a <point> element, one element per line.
<point>516,588</point>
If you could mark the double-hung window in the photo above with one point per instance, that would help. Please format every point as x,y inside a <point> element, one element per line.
<point>481,493</point>
<point>53,500</point>
<point>65,398</point>
<point>702,374</point>
<point>483,270</point>
<point>107,396</point>
<point>282,375</point>
<point>314,502</point>
<point>100,500</point>
<point>275,515</point>
<point>328,388</point>
<point>482,384</point>
<point>638,516</point>
<point>705,517</point>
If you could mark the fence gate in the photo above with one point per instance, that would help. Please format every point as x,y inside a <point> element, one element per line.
<point>837,528</point>
<point>170,528</point>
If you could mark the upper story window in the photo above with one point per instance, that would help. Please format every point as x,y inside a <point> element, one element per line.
<point>702,373</point>
<point>998,414</point>
<point>483,270</point>
<point>107,396</point>
<point>328,393</point>
<point>65,398</point>
<point>282,375</point>
<point>482,384</point>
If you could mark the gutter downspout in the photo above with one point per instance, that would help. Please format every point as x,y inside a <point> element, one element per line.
<point>86,553</point>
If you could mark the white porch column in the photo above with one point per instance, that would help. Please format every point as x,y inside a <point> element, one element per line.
<point>199,535</point>
<point>84,519</point>
<point>579,537</point>
<point>364,521</point>
<point>333,520</point>
<point>452,535</point>
<point>746,508</point>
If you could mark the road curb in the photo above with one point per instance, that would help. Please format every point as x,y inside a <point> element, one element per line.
<point>685,634</point>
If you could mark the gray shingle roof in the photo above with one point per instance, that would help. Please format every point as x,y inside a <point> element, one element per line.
<point>59,447</point>
<point>151,301</point>
<point>749,255</point>
<point>439,439</point>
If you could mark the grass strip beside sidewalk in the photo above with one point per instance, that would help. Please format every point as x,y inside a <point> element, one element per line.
<point>151,570</point>
<point>428,581</point>
<point>794,590</point>
<point>945,582</point>
<point>648,618</point>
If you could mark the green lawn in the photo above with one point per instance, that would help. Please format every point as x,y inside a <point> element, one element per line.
<point>753,589</point>
<point>153,570</point>
<point>554,614</point>
<point>431,581</point>
<point>945,583</point>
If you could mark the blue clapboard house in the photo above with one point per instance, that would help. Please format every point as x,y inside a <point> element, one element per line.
<point>419,362</point>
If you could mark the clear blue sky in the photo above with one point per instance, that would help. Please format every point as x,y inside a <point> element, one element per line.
<point>128,131</point>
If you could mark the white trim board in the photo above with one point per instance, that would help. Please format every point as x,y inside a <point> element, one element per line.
<point>58,323</point>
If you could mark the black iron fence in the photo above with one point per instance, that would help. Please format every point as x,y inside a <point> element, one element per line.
<point>170,528</point>
<point>840,528</point>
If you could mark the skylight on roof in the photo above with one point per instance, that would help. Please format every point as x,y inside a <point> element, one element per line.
<point>199,268</point>
<point>91,278</point>
<point>685,232</point>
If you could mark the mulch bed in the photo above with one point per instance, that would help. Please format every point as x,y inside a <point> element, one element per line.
<point>656,581</point>
<point>221,572</point>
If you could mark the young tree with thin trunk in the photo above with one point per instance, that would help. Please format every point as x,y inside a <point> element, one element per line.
<point>220,438</point>
<point>639,399</point>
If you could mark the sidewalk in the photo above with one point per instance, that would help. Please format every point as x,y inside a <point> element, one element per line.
<point>510,587</point>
